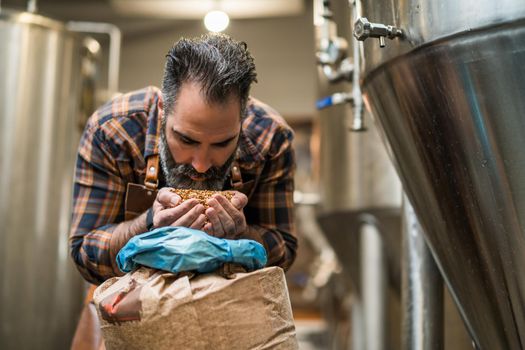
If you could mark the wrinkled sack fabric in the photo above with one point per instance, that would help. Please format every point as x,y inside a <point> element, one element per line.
<point>179,249</point>
<point>151,309</point>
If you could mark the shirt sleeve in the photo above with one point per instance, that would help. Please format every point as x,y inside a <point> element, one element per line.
<point>97,204</point>
<point>270,210</point>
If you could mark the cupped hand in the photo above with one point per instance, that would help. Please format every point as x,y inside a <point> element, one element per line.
<point>226,217</point>
<point>169,210</point>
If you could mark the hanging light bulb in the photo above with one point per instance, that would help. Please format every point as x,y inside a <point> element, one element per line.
<point>216,21</point>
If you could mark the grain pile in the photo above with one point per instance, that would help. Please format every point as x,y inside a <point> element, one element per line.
<point>201,195</point>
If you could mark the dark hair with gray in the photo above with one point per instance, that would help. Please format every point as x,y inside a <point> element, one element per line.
<point>221,65</point>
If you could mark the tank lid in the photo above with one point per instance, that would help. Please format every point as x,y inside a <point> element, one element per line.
<point>15,16</point>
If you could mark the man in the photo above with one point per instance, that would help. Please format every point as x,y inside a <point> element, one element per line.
<point>208,134</point>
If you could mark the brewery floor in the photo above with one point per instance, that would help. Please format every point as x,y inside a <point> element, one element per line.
<point>311,330</point>
<point>311,334</point>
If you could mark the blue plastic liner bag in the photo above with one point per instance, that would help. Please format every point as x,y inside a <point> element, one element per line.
<point>178,249</point>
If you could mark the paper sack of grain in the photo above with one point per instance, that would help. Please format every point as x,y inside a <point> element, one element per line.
<point>151,309</point>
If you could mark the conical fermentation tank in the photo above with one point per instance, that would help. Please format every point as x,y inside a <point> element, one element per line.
<point>40,290</point>
<point>445,83</point>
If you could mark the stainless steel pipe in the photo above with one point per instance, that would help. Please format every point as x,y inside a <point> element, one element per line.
<point>374,284</point>
<point>114,48</point>
<point>422,289</point>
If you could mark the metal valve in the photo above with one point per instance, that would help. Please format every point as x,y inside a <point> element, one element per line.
<point>363,30</point>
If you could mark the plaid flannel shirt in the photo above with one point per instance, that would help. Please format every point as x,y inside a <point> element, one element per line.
<point>112,152</point>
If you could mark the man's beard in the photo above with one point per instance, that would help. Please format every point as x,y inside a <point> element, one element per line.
<point>178,175</point>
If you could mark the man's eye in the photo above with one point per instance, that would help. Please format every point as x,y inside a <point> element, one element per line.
<point>187,141</point>
<point>222,144</point>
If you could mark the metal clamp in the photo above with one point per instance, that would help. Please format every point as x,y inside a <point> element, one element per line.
<point>363,29</point>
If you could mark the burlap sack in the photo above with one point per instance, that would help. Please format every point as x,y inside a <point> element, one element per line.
<point>150,309</point>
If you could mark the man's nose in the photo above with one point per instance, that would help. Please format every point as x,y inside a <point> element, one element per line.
<point>201,162</point>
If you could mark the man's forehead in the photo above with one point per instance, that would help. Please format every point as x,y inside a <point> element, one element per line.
<point>208,94</point>
<point>193,107</point>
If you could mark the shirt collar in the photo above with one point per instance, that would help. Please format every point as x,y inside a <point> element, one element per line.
<point>248,154</point>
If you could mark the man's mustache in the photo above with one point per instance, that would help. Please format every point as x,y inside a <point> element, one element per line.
<point>189,170</point>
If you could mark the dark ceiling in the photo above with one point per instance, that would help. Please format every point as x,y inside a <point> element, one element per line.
<point>102,11</point>
<point>97,11</point>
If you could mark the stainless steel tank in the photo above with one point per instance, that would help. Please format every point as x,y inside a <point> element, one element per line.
<point>40,290</point>
<point>449,97</point>
<point>357,179</point>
